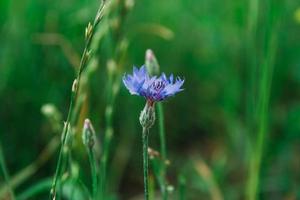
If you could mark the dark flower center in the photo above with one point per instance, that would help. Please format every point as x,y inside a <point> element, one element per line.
<point>158,86</point>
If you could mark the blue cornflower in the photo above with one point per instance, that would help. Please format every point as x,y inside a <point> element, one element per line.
<point>153,88</point>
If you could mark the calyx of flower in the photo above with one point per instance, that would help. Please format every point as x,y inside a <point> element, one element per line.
<point>147,116</point>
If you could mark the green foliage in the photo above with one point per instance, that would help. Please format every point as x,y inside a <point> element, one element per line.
<point>232,134</point>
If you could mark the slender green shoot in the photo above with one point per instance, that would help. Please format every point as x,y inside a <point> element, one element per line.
<point>145,137</point>
<point>90,30</point>
<point>93,164</point>
<point>264,87</point>
<point>108,130</point>
<point>162,137</point>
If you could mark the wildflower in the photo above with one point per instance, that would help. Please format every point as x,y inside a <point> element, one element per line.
<point>153,88</point>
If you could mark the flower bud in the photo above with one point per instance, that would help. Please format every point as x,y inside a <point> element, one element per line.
<point>151,63</point>
<point>147,117</point>
<point>88,134</point>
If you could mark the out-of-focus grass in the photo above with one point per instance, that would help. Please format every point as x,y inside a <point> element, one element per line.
<point>220,49</point>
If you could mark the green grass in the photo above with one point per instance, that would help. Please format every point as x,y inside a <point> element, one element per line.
<point>233,133</point>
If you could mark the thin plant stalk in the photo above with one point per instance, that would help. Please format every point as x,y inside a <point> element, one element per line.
<point>145,138</point>
<point>108,135</point>
<point>162,138</point>
<point>263,104</point>
<point>75,88</point>
<point>103,166</point>
<point>162,133</point>
<point>251,35</point>
<point>93,164</point>
<point>251,96</point>
<point>262,131</point>
<point>113,89</point>
<point>5,173</point>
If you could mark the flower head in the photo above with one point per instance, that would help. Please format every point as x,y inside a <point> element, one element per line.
<point>152,88</point>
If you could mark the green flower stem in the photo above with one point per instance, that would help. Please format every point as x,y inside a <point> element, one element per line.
<point>145,163</point>
<point>59,165</point>
<point>93,164</point>
<point>162,137</point>
<point>162,133</point>
<point>84,59</point>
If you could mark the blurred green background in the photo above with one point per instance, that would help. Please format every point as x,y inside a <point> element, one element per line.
<point>241,64</point>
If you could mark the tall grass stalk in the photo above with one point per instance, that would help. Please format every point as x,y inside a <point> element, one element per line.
<point>251,96</point>
<point>163,150</point>
<point>5,174</point>
<point>113,87</point>
<point>108,130</point>
<point>75,88</point>
<point>264,90</point>
<point>251,35</point>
